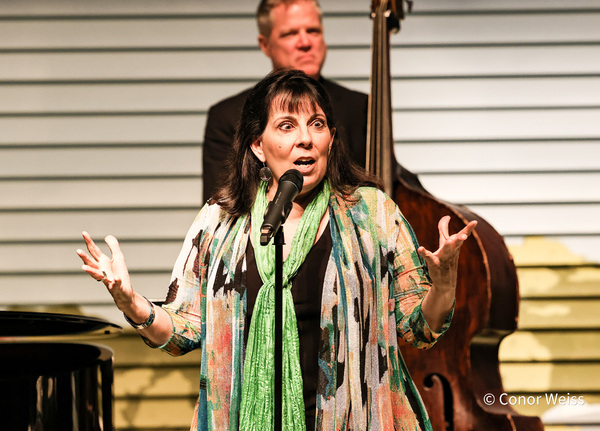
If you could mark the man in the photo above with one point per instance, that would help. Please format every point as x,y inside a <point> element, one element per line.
<point>291,35</point>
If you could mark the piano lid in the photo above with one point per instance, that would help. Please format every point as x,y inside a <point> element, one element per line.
<point>15,324</point>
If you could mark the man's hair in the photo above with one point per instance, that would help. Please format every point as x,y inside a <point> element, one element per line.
<point>263,13</point>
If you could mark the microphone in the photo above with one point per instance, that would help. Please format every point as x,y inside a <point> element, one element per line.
<point>290,184</point>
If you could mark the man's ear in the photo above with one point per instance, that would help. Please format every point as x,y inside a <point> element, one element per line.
<point>263,43</point>
<point>257,149</point>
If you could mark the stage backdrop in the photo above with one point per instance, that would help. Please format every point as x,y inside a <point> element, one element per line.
<point>496,106</point>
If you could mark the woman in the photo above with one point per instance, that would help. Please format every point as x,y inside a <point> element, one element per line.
<point>354,280</point>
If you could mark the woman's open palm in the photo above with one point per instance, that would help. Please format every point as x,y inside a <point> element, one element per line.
<point>110,271</point>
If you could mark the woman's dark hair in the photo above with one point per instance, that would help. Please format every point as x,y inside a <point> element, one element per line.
<point>292,89</point>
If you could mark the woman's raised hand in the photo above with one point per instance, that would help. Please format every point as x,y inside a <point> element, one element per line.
<point>443,267</point>
<point>443,263</point>
<point>115,276</point>
<point>110,271</point>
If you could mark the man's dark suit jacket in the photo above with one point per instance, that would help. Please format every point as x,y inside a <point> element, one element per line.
<point>349,108</point>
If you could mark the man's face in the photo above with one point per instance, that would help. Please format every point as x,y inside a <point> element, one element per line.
<point>296,40</point>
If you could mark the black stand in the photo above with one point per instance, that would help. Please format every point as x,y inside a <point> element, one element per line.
<point>278,241</point>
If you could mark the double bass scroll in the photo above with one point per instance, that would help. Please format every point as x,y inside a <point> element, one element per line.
<point>454,376</point>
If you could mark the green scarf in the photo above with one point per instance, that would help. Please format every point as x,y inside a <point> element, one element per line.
<point>257,407</point>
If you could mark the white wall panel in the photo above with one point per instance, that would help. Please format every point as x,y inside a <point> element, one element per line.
<point>132,65</point>
<point>516,28</point>
<point>123,65</point>
<point>517,92</point>
<point>86,8</point>
<point>542,220</point>
<point>182,33</point>
<point>471,61</point>
<point>515,188</point>
<point>128,33</point>
<point>47,226</point>
<point>98,129</point>
<point>115,97</point>
<point>166,7</point>
<point>94,161</point>
<point>462,61</point>
<point>430,125</point>
<point>501,124</point>
<point>496,157</point>
<point>141,256</point>
<point>433,93</point>
<point>94,193</point>
<point>75,287</point>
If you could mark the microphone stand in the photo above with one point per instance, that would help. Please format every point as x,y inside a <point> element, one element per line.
<point>278,241</point>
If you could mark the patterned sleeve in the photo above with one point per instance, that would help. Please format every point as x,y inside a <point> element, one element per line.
<point>411,284</point>
<point>184,301</point>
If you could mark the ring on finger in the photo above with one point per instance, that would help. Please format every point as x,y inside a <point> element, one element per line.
<point>103,276</point>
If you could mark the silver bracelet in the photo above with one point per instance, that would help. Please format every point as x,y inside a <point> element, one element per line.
<point>148,321</point>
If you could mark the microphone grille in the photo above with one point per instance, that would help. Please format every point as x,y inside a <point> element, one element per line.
<point>294,176</point>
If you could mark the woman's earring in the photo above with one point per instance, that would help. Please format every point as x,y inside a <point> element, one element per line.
<point>265,173</point>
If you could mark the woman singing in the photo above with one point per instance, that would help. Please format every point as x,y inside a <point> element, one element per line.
<point>354,280</point>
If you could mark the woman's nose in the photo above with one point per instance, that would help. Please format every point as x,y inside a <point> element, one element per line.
<point>304,136</point>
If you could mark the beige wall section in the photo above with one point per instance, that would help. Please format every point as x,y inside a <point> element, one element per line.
<point>556,351</point>
<point>496,106</point>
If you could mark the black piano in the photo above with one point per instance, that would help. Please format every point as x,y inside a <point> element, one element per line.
<point>48,385</point>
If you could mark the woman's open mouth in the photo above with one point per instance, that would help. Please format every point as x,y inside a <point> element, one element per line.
<point>304,164</point>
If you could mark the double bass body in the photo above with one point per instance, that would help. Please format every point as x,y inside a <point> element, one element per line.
<point>459,378</point>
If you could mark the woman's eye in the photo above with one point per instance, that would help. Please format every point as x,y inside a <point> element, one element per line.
<point>319,124</point>
<point>286,126</point>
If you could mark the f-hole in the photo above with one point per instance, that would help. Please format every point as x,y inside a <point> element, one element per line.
<point>438,383</point>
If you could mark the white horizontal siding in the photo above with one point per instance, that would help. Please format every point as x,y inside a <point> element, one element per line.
<point>509,157</point>
<point>166,192</point>
<point>89,85</point>
<point>61,257</point>
<point>199,32</point>
<point>95,129</point>
<point>351,62</point>
<point>197,96</point>
<point>111,97</point>
<point>435,158</point>
<point>542,220</point>
<point>66,225</point>
<point>94,161</point>
<point>104,106</point>
<point>74,288</point>
<point>99,193</point>
<point>163,7</point>
<point>532,188</point>
<point>121,33</point>
<point>468,124</point>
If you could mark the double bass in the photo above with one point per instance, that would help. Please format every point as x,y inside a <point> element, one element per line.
<point>459,378</point>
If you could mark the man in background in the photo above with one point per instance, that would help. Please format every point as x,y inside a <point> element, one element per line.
<point>291,35</point>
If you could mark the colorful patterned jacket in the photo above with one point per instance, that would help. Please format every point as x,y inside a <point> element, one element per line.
<point>372,292</point>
